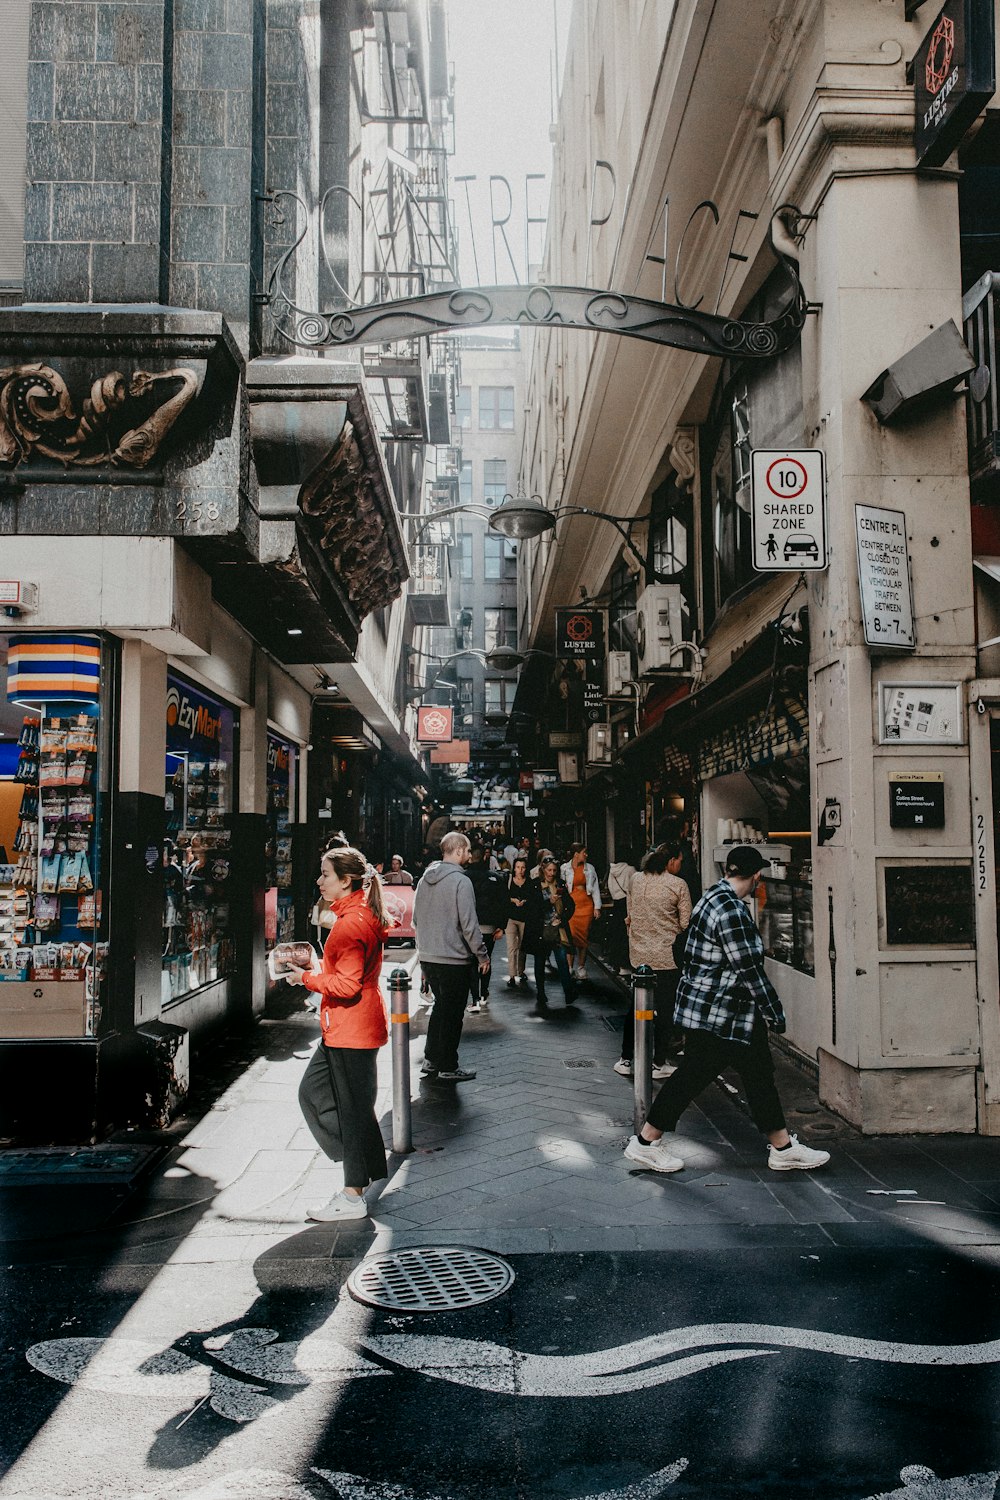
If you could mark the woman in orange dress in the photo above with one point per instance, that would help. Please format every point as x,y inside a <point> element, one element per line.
<point>580,879</point>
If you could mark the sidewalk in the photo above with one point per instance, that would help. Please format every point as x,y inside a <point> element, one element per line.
<point>528,1158</point>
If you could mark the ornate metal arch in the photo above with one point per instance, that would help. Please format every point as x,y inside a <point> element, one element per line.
<point>539,306</point>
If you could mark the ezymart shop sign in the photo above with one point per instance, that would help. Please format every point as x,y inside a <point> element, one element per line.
<point>788,510</point>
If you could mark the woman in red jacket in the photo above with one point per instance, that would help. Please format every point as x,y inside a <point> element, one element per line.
<point>338,1088</point>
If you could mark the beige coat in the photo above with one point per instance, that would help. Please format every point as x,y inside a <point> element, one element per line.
<point>659,907</point>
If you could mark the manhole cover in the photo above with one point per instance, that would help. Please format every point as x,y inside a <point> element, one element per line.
<point>579,1062</point>
<point>430,1279</point>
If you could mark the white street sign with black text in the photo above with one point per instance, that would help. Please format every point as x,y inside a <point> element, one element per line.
<point>788,510</point>
<point>884,576</point>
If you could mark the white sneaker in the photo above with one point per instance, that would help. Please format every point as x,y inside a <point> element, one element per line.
<point>624,1068</point>
<point>796,1156</point>
<point>581,973</point>
<point>341,1206</point>
<point>652,1154</point>
<point>663,1070</point>
<point>475,1008</point>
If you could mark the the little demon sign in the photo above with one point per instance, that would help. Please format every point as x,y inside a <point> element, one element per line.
<point>788,510</point>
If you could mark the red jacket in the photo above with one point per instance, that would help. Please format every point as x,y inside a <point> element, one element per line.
<point>352,962</point>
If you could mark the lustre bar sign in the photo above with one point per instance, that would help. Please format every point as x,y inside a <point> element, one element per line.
<point>953,77</point>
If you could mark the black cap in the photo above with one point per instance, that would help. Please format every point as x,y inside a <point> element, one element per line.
<point>744,859</point>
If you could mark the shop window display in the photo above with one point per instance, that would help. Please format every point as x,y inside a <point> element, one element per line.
<point>53,946</point>
<point>198,946</point>
<point>279,911</point>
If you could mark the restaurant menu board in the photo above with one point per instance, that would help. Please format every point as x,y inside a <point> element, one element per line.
<point>929,905</point>
<point>884,576</point>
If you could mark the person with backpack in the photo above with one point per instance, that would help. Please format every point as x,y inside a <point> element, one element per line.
<point>492,908</point>
<point>659,910</point>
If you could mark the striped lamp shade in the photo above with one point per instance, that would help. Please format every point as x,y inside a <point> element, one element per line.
<point>53,669</point>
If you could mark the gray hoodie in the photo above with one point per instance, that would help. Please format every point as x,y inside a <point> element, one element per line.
<point>444,915</point>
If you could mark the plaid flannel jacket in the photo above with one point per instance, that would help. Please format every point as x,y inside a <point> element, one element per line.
<point>723,981</point>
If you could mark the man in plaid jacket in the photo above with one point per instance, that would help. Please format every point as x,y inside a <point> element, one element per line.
<point>725,1005</point>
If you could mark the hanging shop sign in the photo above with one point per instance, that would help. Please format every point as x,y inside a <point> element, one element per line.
<point>545,781</point>
<point>916,799</point>
<point>526,781</point>
<point>434,723</point>
<point>919,713</point>
<point>580,632</point>
<point>578,682</point>
<point>954,77</point>
<point>788,510</point>
<point>884,576</point>
<point>451,753</point>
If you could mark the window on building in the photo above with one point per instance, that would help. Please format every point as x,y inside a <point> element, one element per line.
<point>463,408</point>
<point>464,548</point>
<point>500,558</point>
<point>499,695</point>
<point>466,699</point>
<point>465,483</point>
<point>494,480</point>
<point>501,628</point>
<point>496,408</point>
<point>670,532</point>
<point>493,556</point>
<point>15,112</point>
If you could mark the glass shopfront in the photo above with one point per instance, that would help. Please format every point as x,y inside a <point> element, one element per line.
<point>198,944</point>
<point>53,800</point>
<point>282,791</point>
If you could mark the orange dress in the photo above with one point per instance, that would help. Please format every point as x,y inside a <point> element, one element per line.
<point>583,908</point>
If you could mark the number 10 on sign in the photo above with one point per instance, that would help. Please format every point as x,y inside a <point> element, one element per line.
<point>788,510</point>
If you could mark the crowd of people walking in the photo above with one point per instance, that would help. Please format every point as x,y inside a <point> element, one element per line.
<point>713,1002</point>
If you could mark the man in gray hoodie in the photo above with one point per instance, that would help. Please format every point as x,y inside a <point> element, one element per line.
<point>450,944</point>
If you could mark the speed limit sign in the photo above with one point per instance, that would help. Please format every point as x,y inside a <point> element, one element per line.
<point>788,510</point>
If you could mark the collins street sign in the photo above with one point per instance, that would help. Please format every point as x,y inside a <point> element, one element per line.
<point>788,510</point>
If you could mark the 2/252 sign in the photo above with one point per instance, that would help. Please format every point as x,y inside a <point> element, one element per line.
<point>788,510</point>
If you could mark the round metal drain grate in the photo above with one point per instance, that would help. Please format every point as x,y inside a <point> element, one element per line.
<point>430,1279</point>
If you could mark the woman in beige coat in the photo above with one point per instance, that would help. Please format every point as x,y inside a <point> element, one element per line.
<point>659,907</point>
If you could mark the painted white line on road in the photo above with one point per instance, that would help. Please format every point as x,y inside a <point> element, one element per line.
<point>630,1367</point>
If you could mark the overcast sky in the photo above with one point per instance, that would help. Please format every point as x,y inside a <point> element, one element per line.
<point>503,54</point>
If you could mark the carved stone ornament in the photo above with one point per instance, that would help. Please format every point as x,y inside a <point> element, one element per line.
<point>339,500</point>
<point>682,457</point>
<point>37,416</point>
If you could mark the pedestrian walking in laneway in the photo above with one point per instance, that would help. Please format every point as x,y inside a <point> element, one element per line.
<point>518,889</point>
<point>546,931</point>
<point>659,907</point>
<point>338,1089</point>
<point>620,877</point>
<point>580,879</point>
<point>490,888</point>
<point>451,948</point>
<point>725,1005</point>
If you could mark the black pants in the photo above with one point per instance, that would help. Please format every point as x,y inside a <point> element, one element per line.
<point>705,1056</point>
<point>481,983</point>
<point>450,984</point>
<point>337,1098</point>
<point>616,942</point>
<point>664,995</point>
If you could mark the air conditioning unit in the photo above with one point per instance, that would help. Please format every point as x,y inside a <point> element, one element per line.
<point>659,627</point>
<point>599,744</point>
<point>619,673</point>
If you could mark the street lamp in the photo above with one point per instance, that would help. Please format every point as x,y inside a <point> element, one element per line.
<point>522,518</point>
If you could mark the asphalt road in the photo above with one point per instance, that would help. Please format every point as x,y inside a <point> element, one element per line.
<point>767,1372</point>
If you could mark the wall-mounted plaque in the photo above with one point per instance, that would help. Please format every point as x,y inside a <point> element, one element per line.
<point>884,577</point>
<point>929,906</point>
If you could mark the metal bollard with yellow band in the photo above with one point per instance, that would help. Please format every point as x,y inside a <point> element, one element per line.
<point>399,1014</point>
<point>643,991</point>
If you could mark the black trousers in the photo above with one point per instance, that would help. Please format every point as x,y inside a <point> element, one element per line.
<point>616,942</point>
<point>337,1097</point>
<point>664,995</point>
<point>705,1056</point>
<point>481,984</point>
<point>450,985</point>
